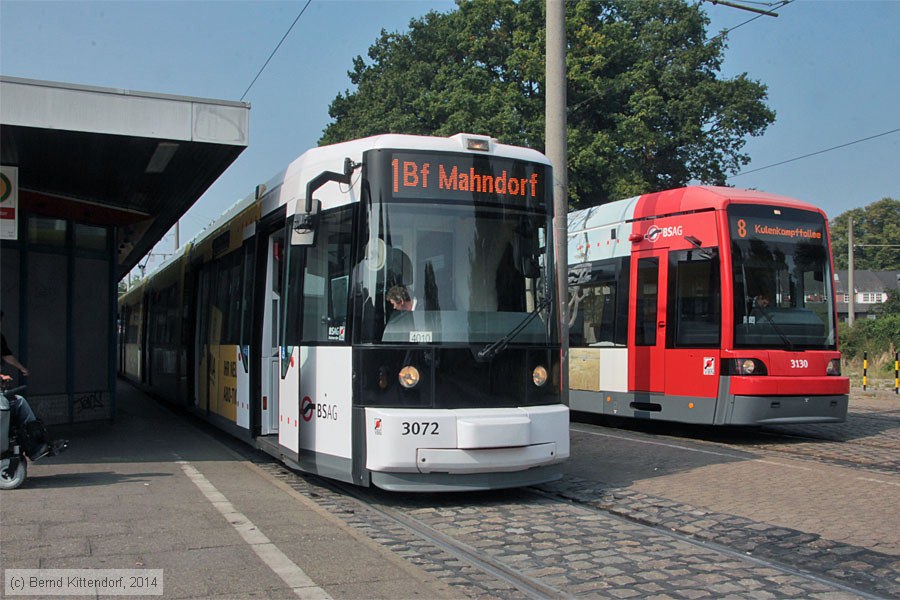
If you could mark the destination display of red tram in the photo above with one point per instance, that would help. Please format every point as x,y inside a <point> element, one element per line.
<point>704,305</point>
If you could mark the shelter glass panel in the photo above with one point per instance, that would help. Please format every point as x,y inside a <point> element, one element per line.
<point>47,323</point>
<point>46,231</point>
<point>91,308</point>
<point>90,237</point>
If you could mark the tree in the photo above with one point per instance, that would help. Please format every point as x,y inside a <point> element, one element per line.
<point>876,236</point>
<point>647,110</point>
<point>124,284</point>
<point>891,306</point>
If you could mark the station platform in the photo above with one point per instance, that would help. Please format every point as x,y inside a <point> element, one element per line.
<point>154,491</point>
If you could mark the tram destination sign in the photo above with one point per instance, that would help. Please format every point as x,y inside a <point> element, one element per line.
<point>462,177</point>
<point>751,227</point>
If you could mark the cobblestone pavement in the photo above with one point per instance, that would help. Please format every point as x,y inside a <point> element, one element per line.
<point>645,515</point>
<point>582,548</point>
<point>868,440</point>
<point>839,503</point>
<point>859,567</point>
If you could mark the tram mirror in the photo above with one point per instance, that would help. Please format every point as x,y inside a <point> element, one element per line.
<point>526,249</point>
<point>303,229</point>
<point>528,266</point>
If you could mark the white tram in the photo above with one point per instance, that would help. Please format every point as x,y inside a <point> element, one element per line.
<point>276,324</point>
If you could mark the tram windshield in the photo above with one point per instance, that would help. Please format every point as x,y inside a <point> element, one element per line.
<point>464,269</point>
<point>783,292</point>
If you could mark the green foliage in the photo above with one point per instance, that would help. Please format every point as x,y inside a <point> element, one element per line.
<point>647,110</point>
<point>123,283</point>
<point>876,336</point>
<point>891,306</point>
<point>876,228</point>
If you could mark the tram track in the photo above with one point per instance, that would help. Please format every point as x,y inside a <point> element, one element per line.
<point>588,548</point>
<point>530,587</point>
<point>744,556</point>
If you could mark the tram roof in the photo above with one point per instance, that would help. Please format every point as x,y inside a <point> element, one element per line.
<point>331,157</point>
<point>135,161</point>
<point>679,200</point>
<point>396,141</point>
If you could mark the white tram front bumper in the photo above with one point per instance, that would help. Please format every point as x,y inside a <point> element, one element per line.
<point>466,441</point>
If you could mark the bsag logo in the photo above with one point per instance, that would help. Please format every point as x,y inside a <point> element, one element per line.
<point>655,232</point>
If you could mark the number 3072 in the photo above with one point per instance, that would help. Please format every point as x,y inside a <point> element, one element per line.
<point>420,428</point>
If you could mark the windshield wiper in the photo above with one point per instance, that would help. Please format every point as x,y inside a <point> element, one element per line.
<point>495,348</point>
<point>777,329</point>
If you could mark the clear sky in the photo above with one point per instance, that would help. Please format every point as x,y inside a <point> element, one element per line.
<point>832,68</point>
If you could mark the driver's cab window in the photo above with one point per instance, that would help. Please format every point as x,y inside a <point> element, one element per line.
<point>325,282</point>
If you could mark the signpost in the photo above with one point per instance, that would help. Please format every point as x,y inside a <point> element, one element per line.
<point>9,203</point>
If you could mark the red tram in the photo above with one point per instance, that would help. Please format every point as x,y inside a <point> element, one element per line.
<point>705,305</point>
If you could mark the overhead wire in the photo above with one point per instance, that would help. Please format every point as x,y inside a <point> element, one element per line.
<point>796,158</point>
<point>284,37</point>
<point>773,6</point>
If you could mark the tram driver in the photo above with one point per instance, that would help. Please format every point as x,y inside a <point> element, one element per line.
<point>401,299</point>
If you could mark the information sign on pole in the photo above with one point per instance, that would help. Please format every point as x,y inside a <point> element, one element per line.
<point>9,203</point>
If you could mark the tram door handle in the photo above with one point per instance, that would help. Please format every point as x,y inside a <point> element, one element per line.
<point>660,324</point>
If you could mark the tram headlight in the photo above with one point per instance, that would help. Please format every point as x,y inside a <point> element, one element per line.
<point>539,376</point>
<point>409,376</point>
<point>746,366</point>
<point>834,367</point>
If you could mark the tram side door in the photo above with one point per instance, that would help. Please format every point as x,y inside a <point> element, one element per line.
<point>647,337</point>
<point>271,326</point>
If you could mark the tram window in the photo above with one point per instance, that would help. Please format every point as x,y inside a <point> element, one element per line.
<point>246,293</point>
<point>647,292</point>
<point>324,284</point>
<point>219,303</point>
<point>226,290</point>
<point>172,315</point>
<point>598,304</point>
<point>695,304</point>
<point>235,286</point>
<point>434,257</point>
<point>792,272</point>
<point>225,277</point>
<point>592,309</point>
<point>132,316</point>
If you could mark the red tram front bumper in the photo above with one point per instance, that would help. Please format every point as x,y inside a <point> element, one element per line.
<point>768,385</point>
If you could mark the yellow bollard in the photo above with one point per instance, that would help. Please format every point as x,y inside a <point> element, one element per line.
<point>865,367</point>
<point>897,372</point>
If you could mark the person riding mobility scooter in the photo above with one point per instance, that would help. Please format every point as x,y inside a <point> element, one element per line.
<point>21,435</point>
